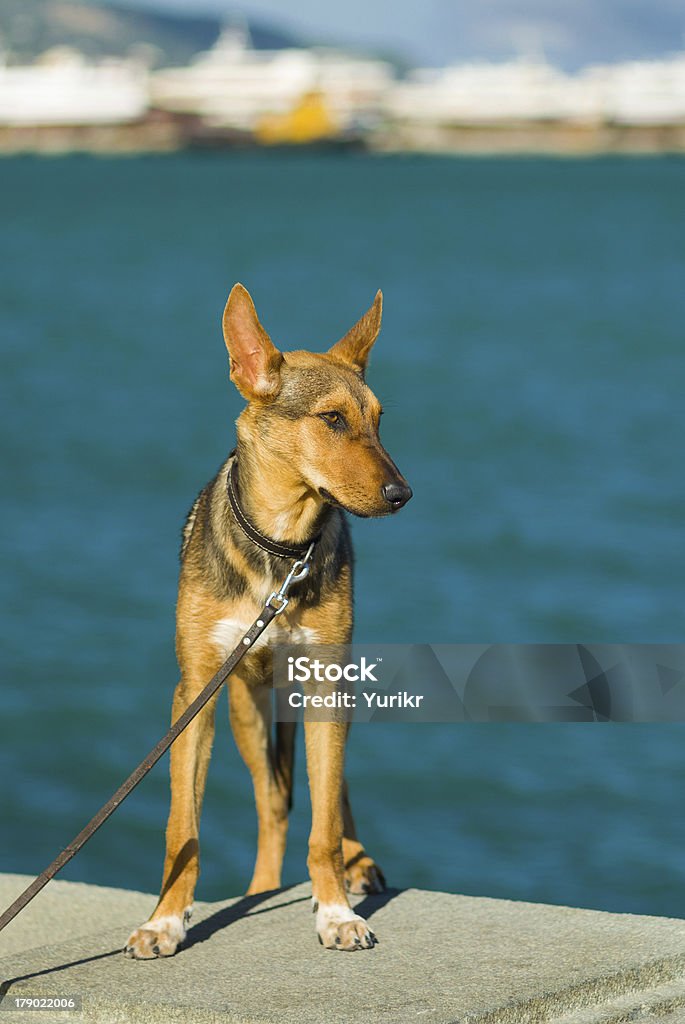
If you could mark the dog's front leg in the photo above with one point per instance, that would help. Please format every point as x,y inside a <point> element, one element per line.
<point>190,754</point>
<point>337,925</point>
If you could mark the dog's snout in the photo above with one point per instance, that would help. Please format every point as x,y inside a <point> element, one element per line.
<point>396,494</point>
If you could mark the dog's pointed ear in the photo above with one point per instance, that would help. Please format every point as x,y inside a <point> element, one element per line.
<point>356,346</point>
<point>255,360</point>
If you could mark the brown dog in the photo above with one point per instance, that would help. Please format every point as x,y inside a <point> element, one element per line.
<point>308,450</point>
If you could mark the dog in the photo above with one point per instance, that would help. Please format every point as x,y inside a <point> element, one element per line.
<point>308,452</point>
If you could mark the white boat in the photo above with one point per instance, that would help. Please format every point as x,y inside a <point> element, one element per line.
<point>483,92</point>
<point>63,88</point>
<point>641,92</point>
<point>637,93</point>
<point>235,85</point>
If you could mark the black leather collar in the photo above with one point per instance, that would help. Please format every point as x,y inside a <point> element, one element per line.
<point>273,547</point>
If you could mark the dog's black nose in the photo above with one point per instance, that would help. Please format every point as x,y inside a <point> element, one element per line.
<point>396,495</point>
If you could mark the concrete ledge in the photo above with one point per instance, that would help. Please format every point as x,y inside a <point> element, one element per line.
<point>256,960</point>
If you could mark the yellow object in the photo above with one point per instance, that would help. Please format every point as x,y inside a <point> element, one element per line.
<point>309,121</point>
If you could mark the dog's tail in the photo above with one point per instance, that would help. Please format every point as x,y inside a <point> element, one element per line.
<point>285,758</point>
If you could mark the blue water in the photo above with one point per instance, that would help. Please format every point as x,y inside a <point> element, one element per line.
<point>533,374</point>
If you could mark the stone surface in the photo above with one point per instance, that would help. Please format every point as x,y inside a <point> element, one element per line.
<point>256,960</point>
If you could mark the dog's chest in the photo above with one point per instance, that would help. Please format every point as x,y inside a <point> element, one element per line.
<point>227,633</point>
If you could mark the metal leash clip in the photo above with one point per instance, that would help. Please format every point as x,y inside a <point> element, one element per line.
<point>298,572</point>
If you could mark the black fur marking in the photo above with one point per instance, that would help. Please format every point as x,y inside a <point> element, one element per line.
<point>227,579</point>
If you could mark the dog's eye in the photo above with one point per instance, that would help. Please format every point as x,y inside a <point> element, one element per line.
<point>333,419</point>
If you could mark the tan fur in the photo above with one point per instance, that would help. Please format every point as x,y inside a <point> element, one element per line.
<point>297,466</point>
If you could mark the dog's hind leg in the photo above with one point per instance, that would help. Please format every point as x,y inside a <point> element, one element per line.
<point>285,758</point>
<point>362,874</point>
<point>161,935</point>
<point>250,707</point>
<point>337,925</point>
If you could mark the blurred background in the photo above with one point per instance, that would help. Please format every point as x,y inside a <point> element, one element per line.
<point>550,76</point>
<point>531,366</point>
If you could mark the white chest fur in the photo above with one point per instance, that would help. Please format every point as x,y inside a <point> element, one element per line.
<point>227,633</point>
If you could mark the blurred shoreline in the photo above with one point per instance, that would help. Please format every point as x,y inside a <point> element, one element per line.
<point>235,96</point>
<point>160,133</point>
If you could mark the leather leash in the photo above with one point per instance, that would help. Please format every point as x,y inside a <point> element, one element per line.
<point>273,606</point>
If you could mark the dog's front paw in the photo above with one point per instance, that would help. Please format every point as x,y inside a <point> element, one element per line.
<point>339,927</point>
<point>159,937</point>
<point>364,876</point>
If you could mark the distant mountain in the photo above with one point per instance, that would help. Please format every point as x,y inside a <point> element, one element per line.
<point>98,29</point>
<point>570,33</point>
